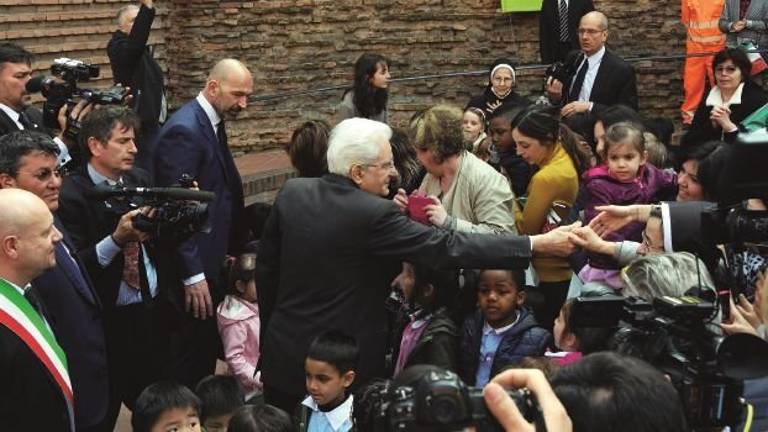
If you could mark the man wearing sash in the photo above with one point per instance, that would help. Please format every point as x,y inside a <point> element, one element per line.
<point>35,389</point>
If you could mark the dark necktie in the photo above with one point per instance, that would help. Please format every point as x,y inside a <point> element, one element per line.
<point>67,263</point>
<point>563,12</point>
<point>34,299</point>
<point>573,95</point>
<point>26,121</point>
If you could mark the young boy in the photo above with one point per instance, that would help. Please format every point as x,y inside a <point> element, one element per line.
<point>502,332</point>
<point>221,396</point>
<point>513,166</point>
<point>166,406</point>
<point>330,370</point>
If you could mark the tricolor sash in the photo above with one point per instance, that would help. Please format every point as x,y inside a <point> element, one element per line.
<point>18,315</point>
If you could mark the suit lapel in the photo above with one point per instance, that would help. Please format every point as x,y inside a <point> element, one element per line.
<point>603,71</point>
<point>222,155</point>
<point>86,291</point>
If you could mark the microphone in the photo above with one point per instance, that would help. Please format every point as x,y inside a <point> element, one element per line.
<point>104,191</point>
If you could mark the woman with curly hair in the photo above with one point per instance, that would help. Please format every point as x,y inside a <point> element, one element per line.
<point>368,96</point>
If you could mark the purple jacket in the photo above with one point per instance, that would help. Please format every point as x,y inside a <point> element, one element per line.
<point>652,185</point>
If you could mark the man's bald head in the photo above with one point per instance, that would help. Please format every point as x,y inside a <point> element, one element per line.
<point>228,87</point>
<point>27,236</point>
<point>593,32</point>
<point>597,17</point>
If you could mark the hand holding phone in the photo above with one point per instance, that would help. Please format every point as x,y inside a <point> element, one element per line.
<point>416,207</point>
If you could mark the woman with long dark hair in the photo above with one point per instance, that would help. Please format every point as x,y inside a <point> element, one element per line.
<point>368,96</point>
<point>544,142</point>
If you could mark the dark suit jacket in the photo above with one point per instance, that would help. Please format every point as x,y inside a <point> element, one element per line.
<point>187,144</point>
<point>549,26</point>
<point>133,65</point>
<point>30,399</point>
<point>74,312</point>
<point>88,222</point>
<point>614,84</point>
<point>323,259</point>
<point>7,125</point>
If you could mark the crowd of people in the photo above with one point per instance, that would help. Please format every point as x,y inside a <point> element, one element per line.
<point>457,250</point>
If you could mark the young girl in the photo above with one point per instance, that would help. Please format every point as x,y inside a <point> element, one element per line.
<point>573,341</point>
<point>238,321</point>
<point>368,96</point>
<point>473,128</point>
<point>431,336</point>
<point>625,178</point>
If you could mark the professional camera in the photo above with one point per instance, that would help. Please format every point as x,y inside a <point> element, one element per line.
<point>673,334</point>
<point>64,90</point>
<point>560,71</point>
<point>437,400</point>
<point>178,212</point>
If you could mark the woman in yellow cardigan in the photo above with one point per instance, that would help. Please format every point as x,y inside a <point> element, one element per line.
<point>544,142</point>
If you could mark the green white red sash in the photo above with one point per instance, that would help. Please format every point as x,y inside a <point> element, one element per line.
<point>18,315</point>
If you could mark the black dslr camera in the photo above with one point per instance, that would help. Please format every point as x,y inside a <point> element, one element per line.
<point>672,333</point>
<point>439,401</point>
<point>64,90</point>
<point>179,212</point>
<point>560,71</point>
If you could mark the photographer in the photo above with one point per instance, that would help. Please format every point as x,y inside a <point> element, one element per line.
<point>120,262</point>
<point>133,65</point>
<point>16,112</point>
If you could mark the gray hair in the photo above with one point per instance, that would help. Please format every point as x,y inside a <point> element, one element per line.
<point>355,141</point>
<point>668,274</point>
<point>122,11</point>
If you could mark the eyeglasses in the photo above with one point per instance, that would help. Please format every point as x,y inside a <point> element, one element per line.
<point>590,32</point>
<point>502,80</point>
<point>384,165</point>
<point>647,242</point>
<point>46,174</point>
<point>725,70</point>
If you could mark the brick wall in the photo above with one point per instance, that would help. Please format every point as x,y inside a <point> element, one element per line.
<point>309,44</point>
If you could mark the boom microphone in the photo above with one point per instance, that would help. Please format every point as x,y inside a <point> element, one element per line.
<point>175,193</point>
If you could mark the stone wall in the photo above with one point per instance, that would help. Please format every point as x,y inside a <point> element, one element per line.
<point>300,45</point>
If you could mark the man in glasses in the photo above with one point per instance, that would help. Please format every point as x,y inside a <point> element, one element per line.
<point>29,161</point>
<point>601,78</point>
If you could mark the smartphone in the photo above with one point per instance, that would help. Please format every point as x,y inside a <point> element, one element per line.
<point>416,208</point>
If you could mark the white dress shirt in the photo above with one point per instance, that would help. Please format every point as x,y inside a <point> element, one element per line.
<point>64,156</point>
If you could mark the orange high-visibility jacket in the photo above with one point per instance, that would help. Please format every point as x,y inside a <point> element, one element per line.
<point>700,20</point>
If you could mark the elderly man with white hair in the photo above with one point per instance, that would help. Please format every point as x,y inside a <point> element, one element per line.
<point>331,246</point>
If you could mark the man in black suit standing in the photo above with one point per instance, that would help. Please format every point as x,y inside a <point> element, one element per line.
<point>36,392</point>
<point>28,160</point>
<point>133,65</point>
<point>119,261</point>
<point>600,79</point>
<point>558,27</point>
<point>332,245</point>
<point>194,141</point>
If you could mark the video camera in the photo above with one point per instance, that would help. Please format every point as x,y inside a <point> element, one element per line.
<point>672,333</point>
<point>64,90</point>
<point>437,400</point>
<point>178,212</point>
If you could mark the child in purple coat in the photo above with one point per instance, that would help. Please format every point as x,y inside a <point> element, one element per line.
<point>625,178</point>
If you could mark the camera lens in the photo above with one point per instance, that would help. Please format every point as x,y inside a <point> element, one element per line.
<point>443,409</point>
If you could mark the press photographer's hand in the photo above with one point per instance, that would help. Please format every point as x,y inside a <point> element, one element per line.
<point>506,412</point>
<point>126,231</point>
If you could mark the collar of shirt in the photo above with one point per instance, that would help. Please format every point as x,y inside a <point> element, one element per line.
<point>595,59</point>
<point>97,178</point>
<point>18,288</point>
<point>337,416</point>
<point>213,116</point>
<point>715,98</point>
<point>488,329</point>
<point>13,114</point>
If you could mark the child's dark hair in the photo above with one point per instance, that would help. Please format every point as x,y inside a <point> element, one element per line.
<point>219,394</point>
<point>260,418</point>
<point>335,348</point>
<point>445,283</point>
<point>625,133</point>
<point>159,398</point>
<point>242,268</point>
<point>589,339</point>
<point>507,112</point>
<point>517,276</point>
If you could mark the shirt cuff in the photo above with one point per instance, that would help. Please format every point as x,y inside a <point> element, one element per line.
<point>591,104</point>
<point>193,279</point>
<point>106,250</point>
<point>530,238</point>
<point>64,156</point>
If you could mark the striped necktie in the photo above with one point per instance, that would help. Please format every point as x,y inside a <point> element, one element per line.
<point>563,12</point>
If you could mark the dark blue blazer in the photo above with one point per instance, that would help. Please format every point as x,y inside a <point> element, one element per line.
<point>187,144</point>
<point>75,314</point>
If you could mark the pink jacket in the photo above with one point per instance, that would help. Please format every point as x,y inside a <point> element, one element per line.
<point>239,325</point>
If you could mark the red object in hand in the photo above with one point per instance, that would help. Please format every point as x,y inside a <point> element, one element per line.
<point>416,207</point>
